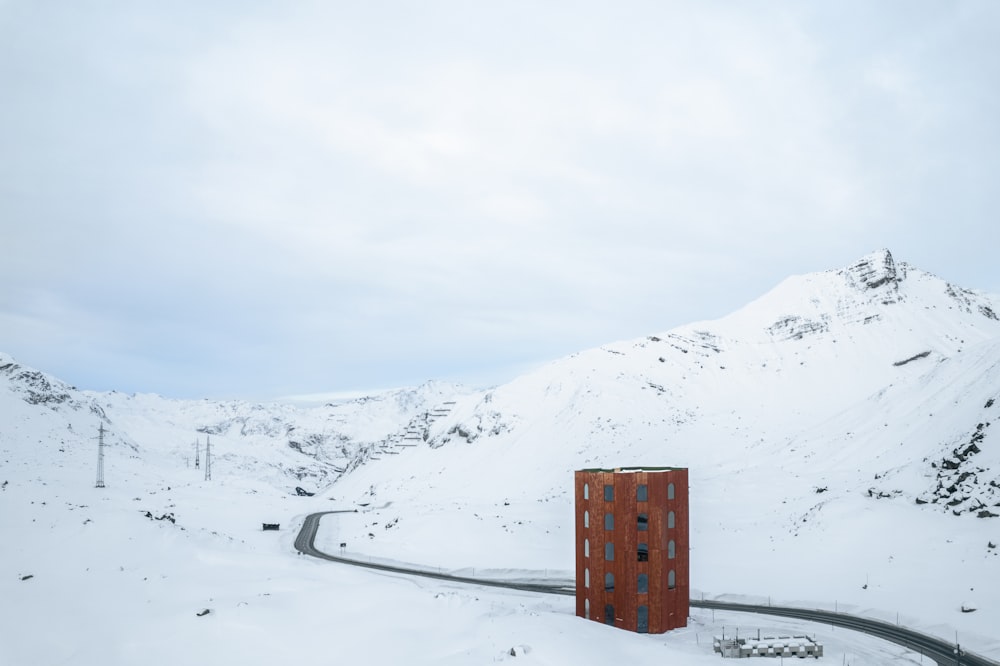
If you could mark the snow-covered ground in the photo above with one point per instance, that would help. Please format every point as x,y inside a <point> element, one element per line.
<point>837,432</point>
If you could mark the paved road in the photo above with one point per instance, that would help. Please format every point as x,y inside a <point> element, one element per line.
<point>940,651</point>
<point>307,535</point>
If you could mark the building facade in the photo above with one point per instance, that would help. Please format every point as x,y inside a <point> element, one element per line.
<point>632,547</point>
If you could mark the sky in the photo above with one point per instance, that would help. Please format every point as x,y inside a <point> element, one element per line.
<point>268,199</point>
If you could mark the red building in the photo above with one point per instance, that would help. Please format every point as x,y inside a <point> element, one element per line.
<point>632,547</point>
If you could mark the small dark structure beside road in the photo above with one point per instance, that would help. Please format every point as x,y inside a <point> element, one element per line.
<point>268,527</point>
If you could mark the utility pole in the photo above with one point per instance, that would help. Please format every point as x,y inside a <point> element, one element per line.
<point>208,458</point>
<point>100,457</point>
<point>197,453</point>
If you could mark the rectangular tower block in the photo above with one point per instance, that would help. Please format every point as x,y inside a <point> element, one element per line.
<point>632,564</point>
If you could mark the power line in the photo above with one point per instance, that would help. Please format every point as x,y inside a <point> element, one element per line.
<point>208,458</point>
<point>100,457</point>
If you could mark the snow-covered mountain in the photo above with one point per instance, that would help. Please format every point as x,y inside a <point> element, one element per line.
<point>280,443</point>
<point>837,430</point>
<point>841,419</point>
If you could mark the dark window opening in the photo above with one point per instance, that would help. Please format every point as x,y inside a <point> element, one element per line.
<point>671,580</point>
<point>642,492</point>
<point>609,614</point>
<point>643,552</point>
<point>671,520</point>
<point>609,551</point>
<point>643,586</point>
<point>670,491</point>
<point>609,493</point>
<point>642,624</point>
<point>609,521</point>
<point>671,550</point>
<point>609,582</point>
<point>643,522</point>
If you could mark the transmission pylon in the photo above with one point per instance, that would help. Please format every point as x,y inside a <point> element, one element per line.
<point>208,458</point>
<point>100,457</point>
<point>197,453</point>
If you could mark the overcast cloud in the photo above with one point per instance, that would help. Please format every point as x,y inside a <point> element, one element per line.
<point>258,199</point>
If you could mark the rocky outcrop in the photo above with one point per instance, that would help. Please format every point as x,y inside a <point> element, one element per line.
<point>794,327</point>
<point>962,485</point>
<point>34,387</point>
<point>876,273</point>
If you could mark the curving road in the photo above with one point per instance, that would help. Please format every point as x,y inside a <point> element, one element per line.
<point>939,650</point>
<point>304,543</point>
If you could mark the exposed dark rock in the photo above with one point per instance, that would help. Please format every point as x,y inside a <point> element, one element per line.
<point>877,271</point>
<point>912,358</point>
<point>793,327</point>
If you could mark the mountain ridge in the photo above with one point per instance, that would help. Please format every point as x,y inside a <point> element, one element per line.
<point>846,411</point>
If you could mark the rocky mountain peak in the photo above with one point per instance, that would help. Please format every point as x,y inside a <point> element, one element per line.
<point>34,387</point>
<point>875,271</point>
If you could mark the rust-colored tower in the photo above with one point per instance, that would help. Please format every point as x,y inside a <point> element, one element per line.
<point>632,547</point>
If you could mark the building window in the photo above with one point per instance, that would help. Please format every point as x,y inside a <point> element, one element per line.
<point>609,551</point>
<point>586,547</point>
<point>671,550</point>
<point>586,609</point>
<point>670,491</point>
<point>586,491</point>
<point>671,580</point>
<point>609,582</point>
<point>586,577</point>
<point>642,623</point>
<point>609,614</point>
<point>643,586</point>
<point>643,552</point>
<point>643,522</point>
<point>586,519</point>
<point>671,520</point>
<point>609,493</point>
<point>609,521</point>
<point>642,492</point>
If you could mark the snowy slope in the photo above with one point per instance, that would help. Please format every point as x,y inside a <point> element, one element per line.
<point>837,431</point>
<point>813,422</point>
